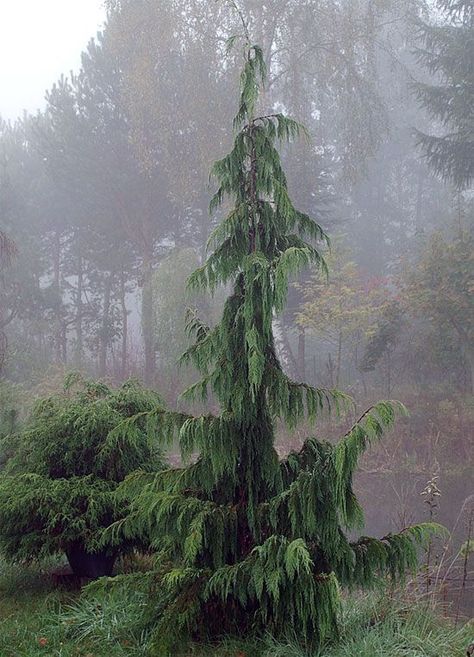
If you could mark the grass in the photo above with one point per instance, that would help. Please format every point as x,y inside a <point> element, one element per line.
<point>37,620</point>
<point>26,597</point>
<point>375,626</point>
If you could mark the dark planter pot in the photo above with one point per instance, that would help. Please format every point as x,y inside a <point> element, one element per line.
<point>90,564</point>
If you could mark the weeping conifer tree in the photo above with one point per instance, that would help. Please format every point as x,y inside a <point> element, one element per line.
<point>246,541</point>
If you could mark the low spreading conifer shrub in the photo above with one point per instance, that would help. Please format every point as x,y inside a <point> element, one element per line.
<point>58,489</point>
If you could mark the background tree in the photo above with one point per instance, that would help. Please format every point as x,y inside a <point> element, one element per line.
<point>171,300</point>
<point>105,164</point>
<point>382,341</point>
<point>448,53</point>
<point>440,286</point>
<point>340,310</point>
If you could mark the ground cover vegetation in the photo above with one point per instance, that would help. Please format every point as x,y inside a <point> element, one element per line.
<point>38,620</point>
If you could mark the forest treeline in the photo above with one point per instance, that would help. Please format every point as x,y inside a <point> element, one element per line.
<point>110,180</point>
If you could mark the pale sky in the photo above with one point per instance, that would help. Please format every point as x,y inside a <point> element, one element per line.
<point>39,40</point>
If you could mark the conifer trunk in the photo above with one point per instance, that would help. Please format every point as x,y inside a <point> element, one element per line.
<point>301,354</point>
<point>79,312</point>
<point>147,318</point>
<point>59,336</point>
<point>105,332</point>
<point>124,311</point>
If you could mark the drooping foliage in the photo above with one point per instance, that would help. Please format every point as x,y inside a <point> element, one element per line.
<point>58,488</point>
<point>447,51</point>
<point>247,541</point>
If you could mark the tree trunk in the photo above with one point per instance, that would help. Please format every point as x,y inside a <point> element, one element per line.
<point>105,332</point>
<point>58,337</point>
<point>123,306</point>
<point>469,357</point>
<point>147,319</point>
<point>86,564</point>
<point>63,341</point>
<point>283,348</point>
<point>301,354</point>
<point>79,312</point>
<point>330,368</point>
<point>339,358</point>
<point>389,373</point>
<point>419,200</point>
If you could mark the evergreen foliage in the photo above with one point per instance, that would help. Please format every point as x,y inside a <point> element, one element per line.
<point>58,488</point>
<point>246,541</point>
<point>448,53</point>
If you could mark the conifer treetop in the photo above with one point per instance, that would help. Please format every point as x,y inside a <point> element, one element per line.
<point>447,51</point>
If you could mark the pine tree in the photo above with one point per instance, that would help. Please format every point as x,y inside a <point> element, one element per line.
<point>250,542</point>
<point>448,53</point>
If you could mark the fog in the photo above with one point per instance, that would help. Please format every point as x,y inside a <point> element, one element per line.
<point>56,31</point>
<point>104,196</point>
